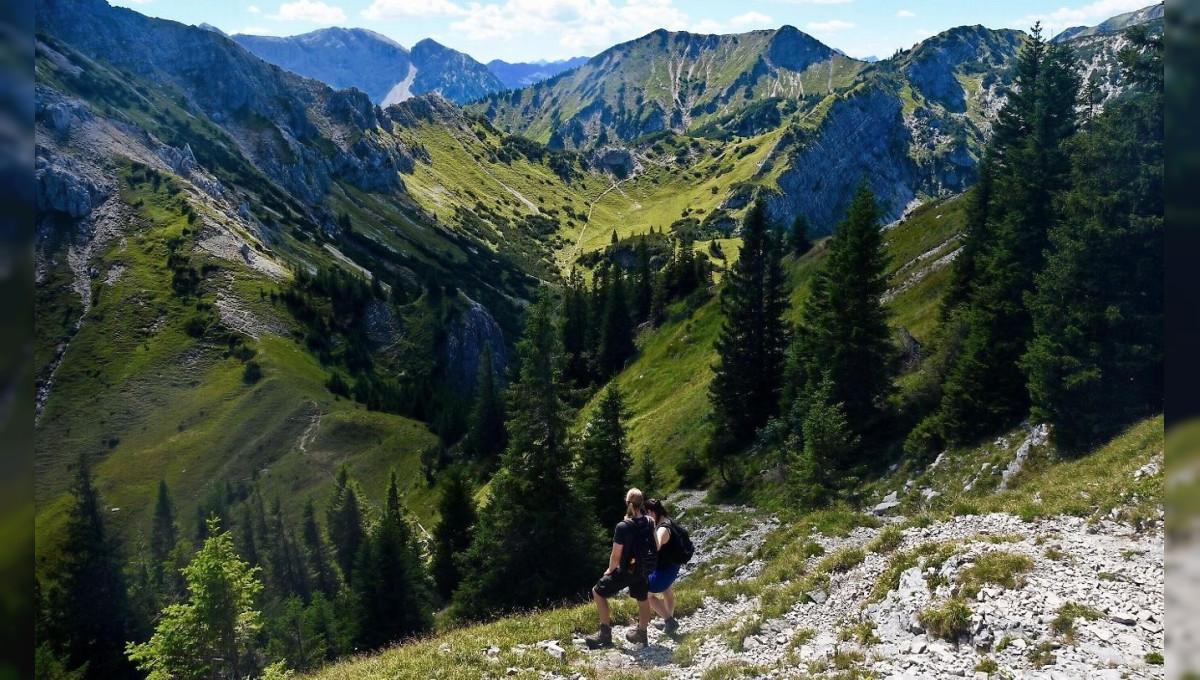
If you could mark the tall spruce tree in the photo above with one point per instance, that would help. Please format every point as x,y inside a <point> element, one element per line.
<point>452,537</point>
<point>843,334</point>
<point>817,465</point>
<point>96,615</point>
<point>288,575</point>
<point>1096,359</point>
<point>576,331</point>
<point>985,387</point>
<point>322,571</point>
<point>798,236</point>
<point>616,326</point>
<point>486,436</point>
<point>164,534</point>
<point>643,301</point>
<point>347,522</point>
<point>520,557</point>
<point>604,458</point>
<point>752,343</point>
<point>391,587</point>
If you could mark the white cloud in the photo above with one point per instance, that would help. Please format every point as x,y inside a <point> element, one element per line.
<point>906,14</point>
<point>751,19</point>
<point>569,27</point>
<point>412,9</point>
<point>831,26</point>
<point>307,10</point>
<point>1088,15</point>
<point>707,26</point>
<point>253,9</point>
<point>814,2</point>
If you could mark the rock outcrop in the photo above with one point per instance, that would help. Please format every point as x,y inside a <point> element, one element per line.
<point>472,329</point>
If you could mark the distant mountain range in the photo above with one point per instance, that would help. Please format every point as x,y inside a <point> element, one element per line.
<point>382,68</point>
<point>390,73</point>
<point>1146,15</point>
<point>523,74</point>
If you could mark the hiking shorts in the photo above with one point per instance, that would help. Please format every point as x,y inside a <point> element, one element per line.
<point>662,577</point>
<point>611,584</point>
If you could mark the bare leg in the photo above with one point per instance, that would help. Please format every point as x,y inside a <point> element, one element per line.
<point>668,603</point>
<point>644,613</point>
<point>602,608</point>
<point>656,603</point>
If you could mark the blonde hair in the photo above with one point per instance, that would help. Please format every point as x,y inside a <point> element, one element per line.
<point>633,501</point>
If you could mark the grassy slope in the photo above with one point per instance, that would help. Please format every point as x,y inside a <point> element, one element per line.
<point>1087,487</point>
<point>176,408</point>
<point>666,385</point>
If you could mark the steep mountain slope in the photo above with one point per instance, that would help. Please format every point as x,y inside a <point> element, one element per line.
<point>176,214</point>
<point>1146,15</point>
<point>669,81</point>
<point>1066,561</point>
<point>375,64</point>
<point>453,74</point>
<point>340,58</point>
<point>523,74</point>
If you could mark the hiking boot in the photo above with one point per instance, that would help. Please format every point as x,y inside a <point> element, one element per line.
<point>670,626</point>
<point>601,640</point>
<point>637,636</point>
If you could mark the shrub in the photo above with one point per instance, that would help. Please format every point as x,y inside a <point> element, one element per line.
<point>1042,655</point>
<point>949,620</point>
<point>888,540</point>
<point>1064,623</point>
<point>252,373</point>
<point>987,665</point>
<point>998,568</point>
<point>842,560</point>
<point>1154,658</point>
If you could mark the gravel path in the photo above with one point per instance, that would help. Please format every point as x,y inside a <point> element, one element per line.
<point>1115,573</point>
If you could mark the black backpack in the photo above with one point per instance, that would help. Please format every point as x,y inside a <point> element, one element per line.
<point>679,548</point>
<point>645,550</point>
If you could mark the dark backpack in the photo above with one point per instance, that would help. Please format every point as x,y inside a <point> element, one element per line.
<point>679,548</point>
<point>645,550</point>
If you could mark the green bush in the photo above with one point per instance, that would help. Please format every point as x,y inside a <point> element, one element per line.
<point>252,373</point>
<point>949,620</point>
<point>998,568</point>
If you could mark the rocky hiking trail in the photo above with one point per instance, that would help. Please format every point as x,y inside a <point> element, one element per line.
<point>1085,600</point>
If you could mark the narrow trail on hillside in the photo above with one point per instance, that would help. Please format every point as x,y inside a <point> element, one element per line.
<point>592,207</point>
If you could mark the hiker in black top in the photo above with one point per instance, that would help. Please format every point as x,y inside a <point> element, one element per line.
<point>633,542</point>
<point>662,579</point>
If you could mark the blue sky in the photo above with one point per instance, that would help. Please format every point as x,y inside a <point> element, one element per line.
<point>528,30</point>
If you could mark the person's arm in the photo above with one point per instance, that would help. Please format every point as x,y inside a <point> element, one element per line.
<point>614,558</point>
<point>662,536</point>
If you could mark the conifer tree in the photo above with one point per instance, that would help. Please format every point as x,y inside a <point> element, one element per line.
<point>1096,359</point>
<point>249,546</point>
<point>798,236</point>
<point>163,534</point>
<point>752,343</point>
<point>518,558</point>
<point>452,537</point>
<point>644,296</point>
<point>985,387</point>
<point>817,466</point>
<point>843,333</point>
<point>486,435</point>
<point>346,520</point>
<point>604,458</point>
<point>391,588</point>
<point>288,573</point>
<point>95,611</point>
<point>648,479</point>
<point>318,554</point>
<point>575,329</point>
<point>616,326</point>
<point>211,635</point>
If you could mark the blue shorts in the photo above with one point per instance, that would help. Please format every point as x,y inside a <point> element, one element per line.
<point>662,578</point>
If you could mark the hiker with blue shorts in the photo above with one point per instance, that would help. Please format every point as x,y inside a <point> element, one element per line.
<point>674,550</point>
